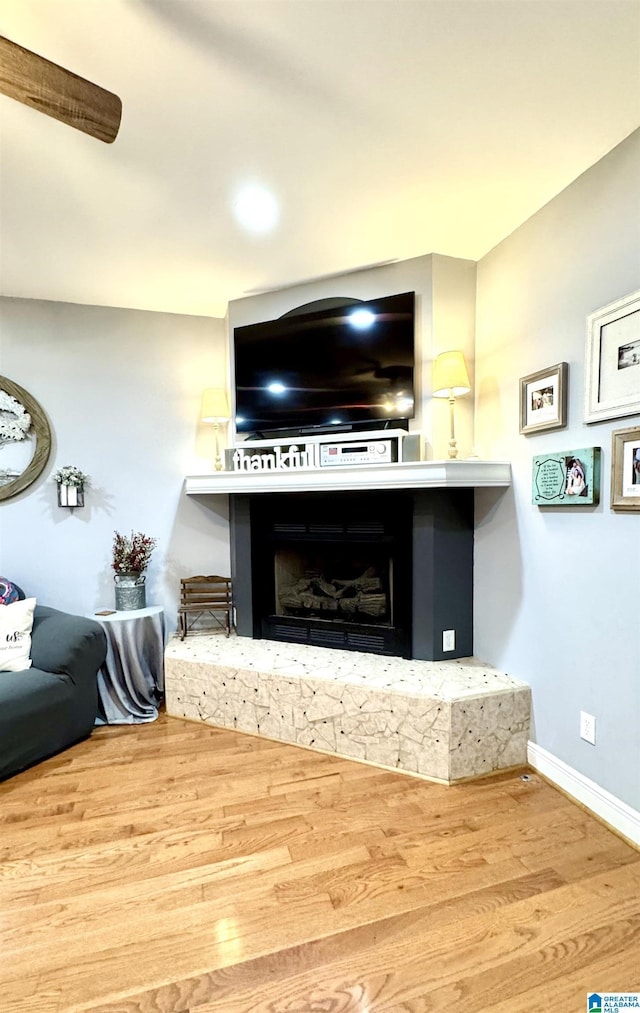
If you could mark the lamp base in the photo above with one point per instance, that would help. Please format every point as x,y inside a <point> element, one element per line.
<point>218,460</point>
<point>453,446</point>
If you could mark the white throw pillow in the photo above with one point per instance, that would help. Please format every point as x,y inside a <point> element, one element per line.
<point>16,623</point>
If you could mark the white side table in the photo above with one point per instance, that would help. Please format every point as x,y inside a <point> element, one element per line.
<point>131,681</point>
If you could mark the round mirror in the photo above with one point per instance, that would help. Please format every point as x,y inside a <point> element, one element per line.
<point>25,439</point>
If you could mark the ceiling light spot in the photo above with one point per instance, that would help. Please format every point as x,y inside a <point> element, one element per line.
<point>256,209</point>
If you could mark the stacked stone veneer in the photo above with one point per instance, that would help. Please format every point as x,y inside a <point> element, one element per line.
<point>445,719</point>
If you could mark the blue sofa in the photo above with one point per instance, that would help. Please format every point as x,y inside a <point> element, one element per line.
<point>50,706</point>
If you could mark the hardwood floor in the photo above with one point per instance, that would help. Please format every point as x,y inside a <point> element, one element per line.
<point>177,868</point>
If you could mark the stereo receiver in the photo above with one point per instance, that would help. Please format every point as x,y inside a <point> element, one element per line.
<point>374,452</point>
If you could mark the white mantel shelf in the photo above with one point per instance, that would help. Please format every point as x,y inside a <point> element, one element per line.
<point>458,474</point>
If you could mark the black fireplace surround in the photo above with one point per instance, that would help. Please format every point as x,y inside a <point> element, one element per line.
<point>384,572</point>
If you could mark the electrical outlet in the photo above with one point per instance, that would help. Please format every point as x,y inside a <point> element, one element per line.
<point>588,727</point>
<point>448,640</point>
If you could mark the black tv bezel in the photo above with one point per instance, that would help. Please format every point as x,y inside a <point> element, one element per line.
<point>308,315</point>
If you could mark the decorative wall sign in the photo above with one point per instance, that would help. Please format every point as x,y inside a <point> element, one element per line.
<point>571,478</point>
<point>294,458</point>
<point>543,399</point>
<point>25,439</point>
<point>625,469</point>
<point>613,360</point>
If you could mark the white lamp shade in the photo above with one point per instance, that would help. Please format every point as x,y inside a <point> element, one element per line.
<point>215,405</point>
<point>450,375</point>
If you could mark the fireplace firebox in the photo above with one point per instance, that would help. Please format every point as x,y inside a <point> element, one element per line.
<point>382,572</point>
<point>346,585</point>
<point>332,571</point>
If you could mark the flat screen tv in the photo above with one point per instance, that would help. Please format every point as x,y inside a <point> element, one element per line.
<point>339,367</point>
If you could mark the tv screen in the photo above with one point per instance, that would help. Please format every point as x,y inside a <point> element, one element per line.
<point>343,366</point>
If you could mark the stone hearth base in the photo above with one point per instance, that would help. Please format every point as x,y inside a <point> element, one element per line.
<point>445,720</point>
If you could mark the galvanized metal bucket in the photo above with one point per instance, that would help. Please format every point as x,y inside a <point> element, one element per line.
<point>130,591</point>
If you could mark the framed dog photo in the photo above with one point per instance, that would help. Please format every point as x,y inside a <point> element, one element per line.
<point>625,469</point>
<point>543,399</point>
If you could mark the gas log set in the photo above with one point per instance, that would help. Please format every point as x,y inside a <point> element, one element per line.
<point>347,600</point>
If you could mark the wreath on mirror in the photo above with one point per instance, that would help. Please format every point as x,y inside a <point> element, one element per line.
<point>21,418</point>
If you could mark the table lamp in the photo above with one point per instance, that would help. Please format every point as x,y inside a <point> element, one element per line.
<point>451,380</point>
<point>215,412</point>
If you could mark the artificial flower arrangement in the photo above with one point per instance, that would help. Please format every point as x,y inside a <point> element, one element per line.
<point>131,554</point>
<point>71,482</point>
<point>15,421</point>
<point>71,476</point>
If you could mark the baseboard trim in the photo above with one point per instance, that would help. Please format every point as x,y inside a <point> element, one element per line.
<point>615,813</point>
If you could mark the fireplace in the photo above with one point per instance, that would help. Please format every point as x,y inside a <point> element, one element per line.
<point>332,571</point>
<point>386,572</point>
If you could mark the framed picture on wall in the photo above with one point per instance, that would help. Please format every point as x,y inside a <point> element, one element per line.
<point>543,399</point>
<point>612,375</point>
<point>570,478</point>
<point>625,469</point>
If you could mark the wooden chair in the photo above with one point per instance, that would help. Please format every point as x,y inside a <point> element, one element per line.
<point>202,595</point>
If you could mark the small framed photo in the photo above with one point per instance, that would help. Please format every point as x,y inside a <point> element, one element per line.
<point>625,469</point>
<point>543,399</point>
<point>612,376</point>
<point>570,478</point>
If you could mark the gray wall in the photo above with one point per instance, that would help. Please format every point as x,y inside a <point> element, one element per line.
<point>121,389</point>
<point>558,590</point>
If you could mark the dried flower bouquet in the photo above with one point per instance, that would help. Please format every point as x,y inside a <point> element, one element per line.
<point>132,554</point>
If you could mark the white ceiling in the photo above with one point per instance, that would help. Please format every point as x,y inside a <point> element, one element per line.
<point>385,130</point>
